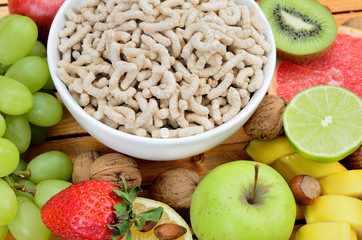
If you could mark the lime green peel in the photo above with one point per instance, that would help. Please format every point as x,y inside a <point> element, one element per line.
<point>324,123</point>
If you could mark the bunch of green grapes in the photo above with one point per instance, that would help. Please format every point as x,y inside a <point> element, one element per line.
<point>28,106</point>
<point>26,189</point>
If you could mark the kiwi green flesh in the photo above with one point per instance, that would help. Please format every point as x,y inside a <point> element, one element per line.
<point>300,27</point>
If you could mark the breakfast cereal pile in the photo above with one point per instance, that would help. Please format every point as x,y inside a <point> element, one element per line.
<point>162,69</point>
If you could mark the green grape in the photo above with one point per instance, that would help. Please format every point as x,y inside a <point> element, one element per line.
<point>4,67</point>
<point>2,125</point>
<point>9,157</point>
<point>21,165</point>
<point>48,91</point>
<point>8,203</point>
<point>15,98</point>
<point>18,35</point>
<point>38,50</point>
<point>50,165</point>
<point>18,131</point>
<point>38,134</point>
<point>23,155</point>
<point>27,224</point>
<point>31,71</point>
<point>49,84</point>
<point>29,186</point>
<point>3,231</point>
<point>46,110</point>
<point>47,189</point>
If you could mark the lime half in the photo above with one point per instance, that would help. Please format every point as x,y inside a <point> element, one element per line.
<point>324,123</point>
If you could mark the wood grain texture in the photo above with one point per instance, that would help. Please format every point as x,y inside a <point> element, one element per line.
<point>4,11</point>
<point>11,237</point>
<point>342,17</point>
<point>342,6</point>
<point>201,163</point>
<point>3,2</point>
<point>68,126</point>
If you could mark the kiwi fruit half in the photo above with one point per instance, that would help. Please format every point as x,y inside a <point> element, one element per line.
<point>303,29</point>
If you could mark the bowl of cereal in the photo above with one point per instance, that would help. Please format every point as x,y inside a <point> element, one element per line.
<point>161,80</point>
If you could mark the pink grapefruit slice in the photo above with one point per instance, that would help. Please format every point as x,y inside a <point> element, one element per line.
<point>341,66</point>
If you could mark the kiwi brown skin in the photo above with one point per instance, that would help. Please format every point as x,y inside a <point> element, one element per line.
<point>295,43</point>
<point>301,58</point>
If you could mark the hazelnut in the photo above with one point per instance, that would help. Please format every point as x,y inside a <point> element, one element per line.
<point>112,166</point>
<point>169,231</point>
<point>175,187</point>
<point>82,164</point>
<point>354,160</point>
<point>266,122</point>
<point>306,189</point>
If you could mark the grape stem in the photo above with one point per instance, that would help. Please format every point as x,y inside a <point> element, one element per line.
<point>22,174</point>
<point>15,185</point>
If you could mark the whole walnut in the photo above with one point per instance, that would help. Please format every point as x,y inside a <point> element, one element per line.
<point>175,187</point>
<point>82,165</point>
<point>112,166</point>
<point>266,122</point>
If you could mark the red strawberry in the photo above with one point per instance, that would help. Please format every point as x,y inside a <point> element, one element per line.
<point>82,210</point>
<point>95,210</point>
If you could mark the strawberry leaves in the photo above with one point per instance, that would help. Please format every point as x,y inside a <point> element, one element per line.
<point>126,213</point>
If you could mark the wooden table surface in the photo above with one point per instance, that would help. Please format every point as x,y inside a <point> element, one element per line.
<point>69,137</point>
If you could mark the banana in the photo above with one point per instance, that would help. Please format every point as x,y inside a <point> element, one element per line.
<point>269,151</point>
<point>336,208</point>
<point>326,231</point>
<point>294,164</point>
<point>348,183</point>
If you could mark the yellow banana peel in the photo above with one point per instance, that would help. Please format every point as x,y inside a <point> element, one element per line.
<point>326,231</point>
<point>294,164</point>
<point>348,183</point>
<point>336,208</point>
<point>269,151</point>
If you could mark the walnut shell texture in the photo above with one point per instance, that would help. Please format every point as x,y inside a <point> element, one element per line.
<point>82,165</point>
<point>266,122</point>
<point>175,187</point>
<point>112,166</point>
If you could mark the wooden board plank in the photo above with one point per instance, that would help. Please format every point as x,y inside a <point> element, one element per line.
<point>68,126</point>
<point>4,11</point>
<point>342,17</point>
<point>202,163</point>
<point>3,2</point>
<point>342,6</point>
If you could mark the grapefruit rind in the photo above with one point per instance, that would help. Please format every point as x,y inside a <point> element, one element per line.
<point>274,86</point>
<point>306,139</point>
<point>354,32</point>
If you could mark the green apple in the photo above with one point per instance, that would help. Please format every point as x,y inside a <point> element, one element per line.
<point>227,204</point>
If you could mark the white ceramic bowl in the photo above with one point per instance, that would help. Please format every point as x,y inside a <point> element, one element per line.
<point>151,148</point>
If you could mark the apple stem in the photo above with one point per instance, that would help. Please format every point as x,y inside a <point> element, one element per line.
<point>256,168</point>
